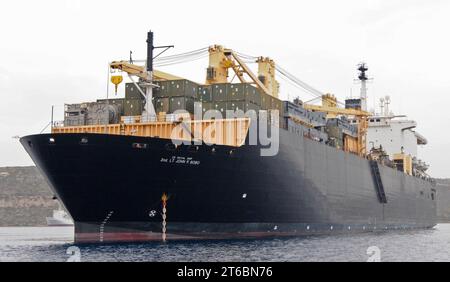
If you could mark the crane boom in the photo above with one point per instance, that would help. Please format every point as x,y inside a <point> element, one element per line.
<point>131,69</point>
<point>221,60</point>
<point>249,72</point>
<point>337,111</point>
<point>139,71</point>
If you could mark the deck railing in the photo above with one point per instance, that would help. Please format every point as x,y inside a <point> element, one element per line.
<point>229,132</point>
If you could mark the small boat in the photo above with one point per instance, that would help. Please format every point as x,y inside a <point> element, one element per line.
<point>59,218</point>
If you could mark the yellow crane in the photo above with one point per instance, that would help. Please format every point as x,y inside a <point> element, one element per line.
<point>329,106</point>
<point>222,59</point>
<point>144,75</point>
<point>139,71</point>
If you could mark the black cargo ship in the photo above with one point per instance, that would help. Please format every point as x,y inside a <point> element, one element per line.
<point>113,183</point>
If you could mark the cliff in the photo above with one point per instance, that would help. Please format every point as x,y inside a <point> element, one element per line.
<point>25,197</point>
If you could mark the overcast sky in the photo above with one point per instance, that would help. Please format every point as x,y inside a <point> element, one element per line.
<point>56,52</point>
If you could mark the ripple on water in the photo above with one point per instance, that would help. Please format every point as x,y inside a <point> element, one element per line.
<point>51,243</point>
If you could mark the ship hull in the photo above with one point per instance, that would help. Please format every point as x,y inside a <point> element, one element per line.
<point>112,187</point>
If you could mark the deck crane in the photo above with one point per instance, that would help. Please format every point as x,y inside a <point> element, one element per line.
<point>222,59</point>
<point>329,106</point>
<point>146,74</point>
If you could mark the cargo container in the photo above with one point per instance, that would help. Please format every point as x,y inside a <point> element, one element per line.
<point>206,106</point>
<point>180,88</point>
<point>237,92</point>
<point>221,107</point>
<point>169,88</point>
<point>162,91</point>
<point>133,107</point>
<point>254,95</point>
<point>236,106</point>
<point>219,92</point>
<point>276,104</point>
<point>205,93</point>
<point>132,92</point>
<point>266,102</point>
<point>252,106</point>
<point>181,103</point>
<point>161,105</point>
<point>243,92</point>
<point>244,106</point>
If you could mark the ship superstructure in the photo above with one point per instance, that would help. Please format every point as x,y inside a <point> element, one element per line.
<point>397,137</point>
<point>177,159</point>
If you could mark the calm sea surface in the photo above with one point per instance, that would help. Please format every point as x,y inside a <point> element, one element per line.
<point>54,244</point>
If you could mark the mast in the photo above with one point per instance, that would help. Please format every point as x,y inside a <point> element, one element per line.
<point>149,109</point>
<point>362,68</point>
<point>150,48</point>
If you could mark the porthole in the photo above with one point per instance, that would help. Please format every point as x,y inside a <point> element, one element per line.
<point>51,140</point>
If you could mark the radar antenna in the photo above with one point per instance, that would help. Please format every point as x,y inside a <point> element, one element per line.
<point>362,78</point>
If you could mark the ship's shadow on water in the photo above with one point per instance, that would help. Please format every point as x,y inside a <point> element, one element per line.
<point>418,245</point>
